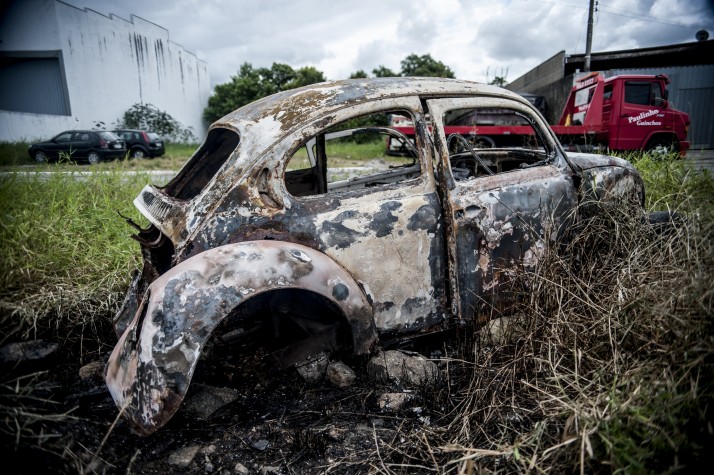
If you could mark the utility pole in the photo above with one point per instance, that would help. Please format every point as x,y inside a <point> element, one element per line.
<point>589,41</point>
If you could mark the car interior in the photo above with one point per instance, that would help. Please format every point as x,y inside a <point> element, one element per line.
<point>323,163</point>
<point>472,155</point>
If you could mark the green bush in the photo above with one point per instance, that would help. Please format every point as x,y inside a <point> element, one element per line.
<point>14,153</point>
<point>151,118</point>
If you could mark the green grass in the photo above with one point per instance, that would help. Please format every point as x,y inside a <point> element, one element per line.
<point>65,254</point>
<point>671,183</point>
<point>14,153</point>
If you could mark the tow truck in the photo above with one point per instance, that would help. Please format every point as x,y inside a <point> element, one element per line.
<point>625,112</point>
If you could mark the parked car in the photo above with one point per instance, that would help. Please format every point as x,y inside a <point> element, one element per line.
<point>91,146</point>
<point>141,143</point>
<point>263,239</point>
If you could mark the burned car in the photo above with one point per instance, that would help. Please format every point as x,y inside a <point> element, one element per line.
<point>264,234</point>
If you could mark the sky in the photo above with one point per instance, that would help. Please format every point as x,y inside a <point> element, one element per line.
<point>477,39</point>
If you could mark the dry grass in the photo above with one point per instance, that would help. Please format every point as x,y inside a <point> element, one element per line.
<point>607,365</point>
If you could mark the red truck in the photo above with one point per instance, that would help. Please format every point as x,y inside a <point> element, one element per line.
<point>628,112</point>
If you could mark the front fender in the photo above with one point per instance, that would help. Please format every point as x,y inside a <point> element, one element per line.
<point>150,369</point>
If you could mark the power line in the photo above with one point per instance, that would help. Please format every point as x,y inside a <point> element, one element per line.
<point>623,13</point>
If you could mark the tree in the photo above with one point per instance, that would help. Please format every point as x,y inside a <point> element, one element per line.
<point>149,117</point>
<point>303,77</point>
<point>384,72</point>
<point>499,78</point>
<point>250,84</point>
<point>358,74</point>
<point>425,65</point>
<point>242,89</point>
<point>278,76</point>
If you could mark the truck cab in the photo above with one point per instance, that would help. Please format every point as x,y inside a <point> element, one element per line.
<point>627,112</point>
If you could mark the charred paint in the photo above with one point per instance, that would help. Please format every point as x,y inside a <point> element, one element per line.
<point>152,366</point>
<point>383,222</point>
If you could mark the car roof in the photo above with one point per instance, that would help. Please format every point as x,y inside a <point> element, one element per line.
<point>276,115</point>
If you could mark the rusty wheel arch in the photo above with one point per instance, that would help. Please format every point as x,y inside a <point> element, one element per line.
<point>150,369</point>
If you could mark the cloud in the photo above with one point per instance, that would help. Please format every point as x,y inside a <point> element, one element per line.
<point>469,36</point>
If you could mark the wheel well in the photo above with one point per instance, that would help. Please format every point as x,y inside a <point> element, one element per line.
<point>661,138</point>
<point>285,326</point>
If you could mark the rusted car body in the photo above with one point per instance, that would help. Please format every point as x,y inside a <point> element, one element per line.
<point>241,238</point>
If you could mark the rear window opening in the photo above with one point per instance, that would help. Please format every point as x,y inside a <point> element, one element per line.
<point>204,164</point>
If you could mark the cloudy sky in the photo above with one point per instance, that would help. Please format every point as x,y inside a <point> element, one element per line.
<point>477,39</point>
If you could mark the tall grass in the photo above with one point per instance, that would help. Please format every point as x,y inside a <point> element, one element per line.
<point>673,183</point>
<point>65,253</point>
<point>606,366</point>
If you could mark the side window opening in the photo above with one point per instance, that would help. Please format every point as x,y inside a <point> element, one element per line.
<point>358,153</point>
<point>638,92</point>
<point>510,141</point>
<point>204,164</point>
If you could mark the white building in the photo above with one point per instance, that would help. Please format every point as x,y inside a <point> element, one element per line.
<point>66,68</point>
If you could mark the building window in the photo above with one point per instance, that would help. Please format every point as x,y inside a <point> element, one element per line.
<point>29,83</point>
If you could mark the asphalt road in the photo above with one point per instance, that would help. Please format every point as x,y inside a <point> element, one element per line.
<point>696,159</point>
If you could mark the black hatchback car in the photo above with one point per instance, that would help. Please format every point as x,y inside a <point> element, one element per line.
<point>141,143</point>
<point>92,146</point>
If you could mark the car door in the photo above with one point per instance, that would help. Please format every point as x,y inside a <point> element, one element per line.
<point>384,225</point>
<point>502,205</point>
<point>61,144</point>
<point>82,142</point>
<point>641,114</point>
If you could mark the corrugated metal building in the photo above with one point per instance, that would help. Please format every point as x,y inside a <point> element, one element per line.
<point>690,67</point>
<point>64,68</point>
